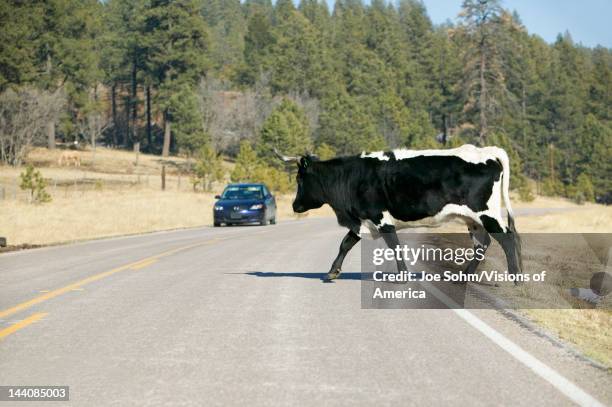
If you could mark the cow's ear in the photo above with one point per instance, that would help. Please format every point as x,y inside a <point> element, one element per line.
<point>304,162</point>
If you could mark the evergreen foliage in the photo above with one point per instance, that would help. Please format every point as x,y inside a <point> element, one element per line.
<point>208,169</point>
<point>33,182</point>
<point>379,75</point>
<point>285,129</point>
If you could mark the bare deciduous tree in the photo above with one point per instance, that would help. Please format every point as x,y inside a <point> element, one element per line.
<point>24,115</point>
<point>231,116</point>
<point>93,121</point>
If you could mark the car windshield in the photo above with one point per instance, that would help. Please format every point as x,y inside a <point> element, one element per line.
<point>243,192</point>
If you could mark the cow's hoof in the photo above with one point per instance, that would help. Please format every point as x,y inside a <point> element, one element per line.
<point>332,275</point>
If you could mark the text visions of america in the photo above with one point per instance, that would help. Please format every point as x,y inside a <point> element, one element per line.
<point>412,255</point>
<point>491,276</point>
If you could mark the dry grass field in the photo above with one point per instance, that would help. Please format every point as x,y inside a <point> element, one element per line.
<point>570,261</point>
<point>110,194</point>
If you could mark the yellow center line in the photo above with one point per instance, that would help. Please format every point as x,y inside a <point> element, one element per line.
<point>143,264</point>
<point>21,324</point>
<point>79,284</point>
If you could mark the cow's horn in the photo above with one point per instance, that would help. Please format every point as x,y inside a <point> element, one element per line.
<point>285,158</point>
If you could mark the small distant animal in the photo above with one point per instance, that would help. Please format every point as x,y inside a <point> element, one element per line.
<point>69,158</point>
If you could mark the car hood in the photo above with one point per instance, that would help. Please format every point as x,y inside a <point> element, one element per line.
<point>232,202</point>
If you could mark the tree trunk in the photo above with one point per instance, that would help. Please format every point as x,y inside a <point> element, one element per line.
<point>167,135</point>
<point>114,113</point>
<point>524,115</point>
<point>149,135</point>
<point>51,134</point>
<point>444,129</point>
<point>163,178</point>
<point>95,131</point>
<point>482,101</point>
<point>51,123</point>
<point>125,134</point>
<point>136,151</point>
<point>134,104</point>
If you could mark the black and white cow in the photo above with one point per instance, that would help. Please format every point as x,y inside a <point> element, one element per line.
<point>385,191</point>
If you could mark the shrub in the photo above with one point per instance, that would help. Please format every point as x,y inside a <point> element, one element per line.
<point>32,180</point>
<point>246,163</point>
<point>208,169</point>
<point>277,180</point>
<point>286,129</point>
<point>584,186</point>
<point>249,168</point>
<point>325,152</point>
<point>552,187</point>
<point>525,193</point>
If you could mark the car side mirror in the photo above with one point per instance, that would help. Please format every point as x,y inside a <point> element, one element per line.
<point>217,196</point>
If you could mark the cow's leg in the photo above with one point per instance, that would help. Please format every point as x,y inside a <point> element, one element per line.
<point>347,244</point>
<point>509,241</point>
<point>482,240</point>
<point>389,234</point>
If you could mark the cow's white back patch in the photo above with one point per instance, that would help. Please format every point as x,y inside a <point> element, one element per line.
<point>377,154</point>
<point>466,152</point>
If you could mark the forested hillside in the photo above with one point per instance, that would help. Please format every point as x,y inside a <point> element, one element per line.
<point>209,77</point>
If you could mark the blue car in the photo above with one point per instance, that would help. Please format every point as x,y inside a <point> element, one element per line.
<point>245,203</point>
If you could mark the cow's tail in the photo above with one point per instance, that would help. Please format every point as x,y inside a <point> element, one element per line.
<point>515,238</point>
<point>505,162</point>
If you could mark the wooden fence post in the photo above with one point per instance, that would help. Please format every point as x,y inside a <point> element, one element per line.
<point>163,177</point>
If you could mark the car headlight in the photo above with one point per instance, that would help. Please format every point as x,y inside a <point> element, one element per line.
<point>256,206</point>
<point>218,208</point>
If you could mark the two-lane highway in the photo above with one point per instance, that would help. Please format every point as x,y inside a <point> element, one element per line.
<point>239,316</point>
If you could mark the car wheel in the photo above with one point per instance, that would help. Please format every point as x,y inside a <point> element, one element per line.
<point>216,224</point>
<point>273,221</point>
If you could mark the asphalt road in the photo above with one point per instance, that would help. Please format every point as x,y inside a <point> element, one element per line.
<point>239,316</point>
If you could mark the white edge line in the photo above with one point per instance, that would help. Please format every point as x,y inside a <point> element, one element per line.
<point>569,389</point>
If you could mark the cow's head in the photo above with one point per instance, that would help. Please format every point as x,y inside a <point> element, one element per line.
<point>309,191</point>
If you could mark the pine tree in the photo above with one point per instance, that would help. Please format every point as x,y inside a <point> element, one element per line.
<point>258,41</point>
<point>595,149</point>
<point>208,169</point>
<point>175,45</point>
<point>483,76</point>
<point>227,24</point>
<point>18,48</point>
<point>286,130</point>
<point>247,164</point>
<point>296,56</point>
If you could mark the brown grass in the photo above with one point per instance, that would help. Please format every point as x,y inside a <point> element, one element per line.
<point>108,196</point>
<point>105,160</point>
<point>588,218</point>
<point>589,330</point>
<point>95,214</point>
